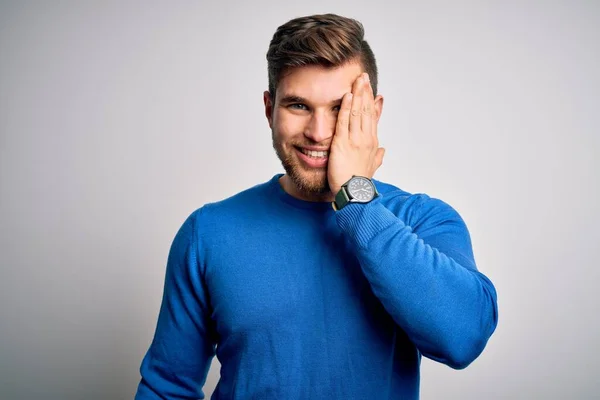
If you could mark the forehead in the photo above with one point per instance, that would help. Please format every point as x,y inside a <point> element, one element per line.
<point>317,83</point>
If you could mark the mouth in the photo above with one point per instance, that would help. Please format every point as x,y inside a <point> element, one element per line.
<point>316,154</point>
<point>313,158</point>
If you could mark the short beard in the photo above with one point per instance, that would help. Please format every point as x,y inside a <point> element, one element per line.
<point>316,185</point>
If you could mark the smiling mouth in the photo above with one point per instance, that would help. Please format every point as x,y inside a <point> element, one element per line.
<point>314,154</point>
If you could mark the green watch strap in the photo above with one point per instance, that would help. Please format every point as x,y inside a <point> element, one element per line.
<point>341,199</point>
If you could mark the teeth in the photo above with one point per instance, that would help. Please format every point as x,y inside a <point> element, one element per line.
<point>315,154</point>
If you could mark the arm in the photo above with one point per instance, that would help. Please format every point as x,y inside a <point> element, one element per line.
<point>425,277</point>
<point>177,363</point>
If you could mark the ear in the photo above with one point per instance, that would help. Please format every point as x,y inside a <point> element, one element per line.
<point>378,106</point>
<point>268,107</point>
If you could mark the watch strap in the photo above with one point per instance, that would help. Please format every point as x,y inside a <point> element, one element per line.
<point>341,199</point>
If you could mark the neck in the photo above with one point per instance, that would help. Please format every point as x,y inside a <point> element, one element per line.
<point>290,188</point>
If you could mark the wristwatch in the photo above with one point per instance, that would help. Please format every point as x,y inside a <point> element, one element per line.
<point>357,190</point>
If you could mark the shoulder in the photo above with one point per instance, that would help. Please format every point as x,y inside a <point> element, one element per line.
<point>231,211</point>
<point>242,202</point>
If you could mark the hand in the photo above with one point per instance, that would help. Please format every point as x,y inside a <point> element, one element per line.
<point>355,148</point>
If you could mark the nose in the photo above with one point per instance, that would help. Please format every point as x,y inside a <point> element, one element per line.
<point>320,127</point>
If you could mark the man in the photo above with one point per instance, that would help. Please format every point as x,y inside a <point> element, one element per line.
<point>321,283</point>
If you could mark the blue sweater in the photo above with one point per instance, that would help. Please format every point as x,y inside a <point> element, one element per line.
<point>298,301</point>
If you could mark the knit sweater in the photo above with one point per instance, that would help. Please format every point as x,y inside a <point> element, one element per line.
<point>298,301</point>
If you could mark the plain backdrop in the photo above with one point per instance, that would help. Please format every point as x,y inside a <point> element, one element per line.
<point>119,118</point>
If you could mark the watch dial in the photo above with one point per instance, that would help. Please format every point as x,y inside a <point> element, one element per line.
<point>361,189</point>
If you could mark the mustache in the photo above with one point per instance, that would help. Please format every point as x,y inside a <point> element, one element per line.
<point>326,145</point>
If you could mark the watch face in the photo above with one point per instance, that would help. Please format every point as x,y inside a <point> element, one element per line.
<point>361,189</point>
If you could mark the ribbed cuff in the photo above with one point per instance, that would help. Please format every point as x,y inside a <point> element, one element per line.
<point>362,221</point>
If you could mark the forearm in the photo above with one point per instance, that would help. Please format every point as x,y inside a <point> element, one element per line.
<point>445,305</point>
<point>177,362</point>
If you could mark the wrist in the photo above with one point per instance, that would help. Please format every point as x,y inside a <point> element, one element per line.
<point>358,189</point>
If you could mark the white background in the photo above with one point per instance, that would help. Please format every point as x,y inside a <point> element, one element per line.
<point>118,119</point>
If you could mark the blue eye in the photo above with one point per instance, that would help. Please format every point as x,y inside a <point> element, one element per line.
<point>298,106</point>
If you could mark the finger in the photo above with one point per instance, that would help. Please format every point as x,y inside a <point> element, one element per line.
<point>374,124</point>
<point>368,108</point>
<point>343,119</point>
<point>356,113</point>
<point>374,134</point>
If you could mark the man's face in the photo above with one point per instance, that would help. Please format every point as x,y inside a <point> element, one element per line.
<point>303,121</point>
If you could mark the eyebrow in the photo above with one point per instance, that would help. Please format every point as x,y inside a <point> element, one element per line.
<point>289,99</point>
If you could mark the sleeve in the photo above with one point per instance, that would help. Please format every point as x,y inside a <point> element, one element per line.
<point>425,277</point>
<point>177,362</point>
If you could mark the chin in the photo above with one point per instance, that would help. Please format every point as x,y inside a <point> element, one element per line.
<point>313,182</point>
<point>309,181</point>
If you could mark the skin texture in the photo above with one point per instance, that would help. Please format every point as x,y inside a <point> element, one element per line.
<point>327,109</point>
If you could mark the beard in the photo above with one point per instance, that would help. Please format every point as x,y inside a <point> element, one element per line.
<point>311,181</point>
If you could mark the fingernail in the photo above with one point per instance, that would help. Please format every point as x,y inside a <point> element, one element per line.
<point>366,77</point>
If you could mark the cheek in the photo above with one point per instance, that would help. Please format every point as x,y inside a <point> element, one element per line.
<point>288,127</point>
